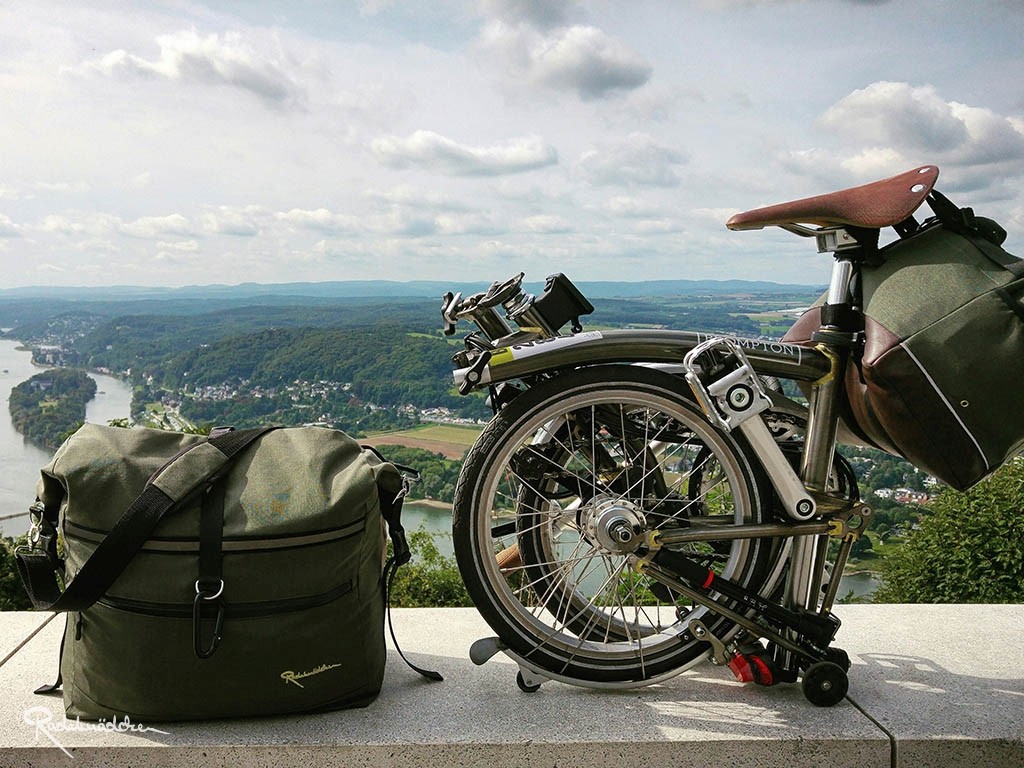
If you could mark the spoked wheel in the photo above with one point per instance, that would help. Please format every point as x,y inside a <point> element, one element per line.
<point>564,486</point>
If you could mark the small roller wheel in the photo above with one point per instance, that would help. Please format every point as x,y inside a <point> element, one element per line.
<point>524,686</point>
<point>825,684</point>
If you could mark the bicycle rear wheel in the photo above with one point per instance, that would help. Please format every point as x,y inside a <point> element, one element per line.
<point>564,484</point>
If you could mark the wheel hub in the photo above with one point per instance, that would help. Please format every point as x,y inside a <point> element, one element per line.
<point>614,525</point>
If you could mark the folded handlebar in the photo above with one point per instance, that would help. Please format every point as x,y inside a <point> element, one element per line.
<point>540,316</point>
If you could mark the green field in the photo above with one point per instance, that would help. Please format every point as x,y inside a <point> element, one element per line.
<point>449,439</point>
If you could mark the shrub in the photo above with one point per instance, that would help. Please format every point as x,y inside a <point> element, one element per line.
<point>969,549</point>
<point>12,593</point>
<point>430,579</point>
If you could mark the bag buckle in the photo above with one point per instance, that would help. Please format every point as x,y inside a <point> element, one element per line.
<point>206,595</point>
<point>36,516</point>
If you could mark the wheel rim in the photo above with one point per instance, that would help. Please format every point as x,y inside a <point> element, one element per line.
<point>573,474</point>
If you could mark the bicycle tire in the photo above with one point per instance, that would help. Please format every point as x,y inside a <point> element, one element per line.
<point>530,484</point>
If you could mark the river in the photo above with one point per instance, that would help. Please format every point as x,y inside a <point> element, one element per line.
<point>21,460</point>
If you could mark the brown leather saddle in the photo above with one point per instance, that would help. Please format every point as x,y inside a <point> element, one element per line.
<point>876,205</point>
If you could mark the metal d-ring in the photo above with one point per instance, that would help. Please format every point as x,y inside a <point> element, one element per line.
<point>200,593</point>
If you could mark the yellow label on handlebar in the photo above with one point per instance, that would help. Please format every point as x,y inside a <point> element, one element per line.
<point>501,357</point>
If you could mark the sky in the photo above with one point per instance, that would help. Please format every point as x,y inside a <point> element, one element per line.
<point>191,143</point>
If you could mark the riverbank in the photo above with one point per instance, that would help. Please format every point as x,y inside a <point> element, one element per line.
<point>432,503</point>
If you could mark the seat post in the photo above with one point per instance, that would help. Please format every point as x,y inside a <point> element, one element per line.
<point>838,333</point>
<point>835,337</point>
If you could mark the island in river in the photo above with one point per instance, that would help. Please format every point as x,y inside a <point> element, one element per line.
<point>50,405</point>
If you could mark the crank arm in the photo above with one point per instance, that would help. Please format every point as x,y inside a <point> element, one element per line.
<point>702,598</point>
<point>820,628</point>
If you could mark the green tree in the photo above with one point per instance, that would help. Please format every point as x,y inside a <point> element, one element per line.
<point>430,579</point>
<point>12,593</point>
<point>970,549</point>
<point>438,475</point>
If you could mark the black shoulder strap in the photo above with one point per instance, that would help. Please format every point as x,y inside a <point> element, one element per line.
<point>192,469</point>
<point>391,510</point>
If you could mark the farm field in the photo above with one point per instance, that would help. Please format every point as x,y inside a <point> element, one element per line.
<point>450,440</point>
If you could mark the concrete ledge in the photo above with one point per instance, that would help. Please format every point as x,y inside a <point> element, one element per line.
<point>930,686</point>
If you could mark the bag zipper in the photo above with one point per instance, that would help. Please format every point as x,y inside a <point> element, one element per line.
<point>231,610</point>
<point>231,545</point>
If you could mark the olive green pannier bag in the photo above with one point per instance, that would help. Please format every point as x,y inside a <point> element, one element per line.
<point>237,575</point>
<point>937,380</point>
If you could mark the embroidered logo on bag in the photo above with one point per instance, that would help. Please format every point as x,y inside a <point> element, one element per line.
<point>294,677</point>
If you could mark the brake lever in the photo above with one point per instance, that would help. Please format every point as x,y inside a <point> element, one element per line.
<point>449,312</point>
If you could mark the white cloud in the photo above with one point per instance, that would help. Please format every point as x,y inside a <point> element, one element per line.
<point>152,226</point>
<point>229,220</point>
<point>888,127</point>
<point>319,219</point>
<point>181,246</point>
<point>580,59</point>
<point>657,226</point>
<point>140,180</point>
<point>409,196</point>
<point>897,114</point>
<point>587,60</point>
<point>77,224</point>
<point>992,138</point>
<point>211,59</point>
<point>638,160</point>
<point>547,224</point>
<point>629,207</point>
<point>539,13</point>
<point>875,162</point>
<point>59,186</point>
<point>400,222</point>
<point>431,151</point>
<point>469,223</point>
<point>8,228</point>
<point>917,120</point>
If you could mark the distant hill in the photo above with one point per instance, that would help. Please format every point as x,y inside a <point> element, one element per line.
<point>387,289</point>
<point>52,315</point>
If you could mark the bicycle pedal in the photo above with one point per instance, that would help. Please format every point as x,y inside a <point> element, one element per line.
<point>753,664</point>
<point>752,668</point>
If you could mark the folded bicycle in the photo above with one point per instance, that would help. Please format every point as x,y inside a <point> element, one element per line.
<point>644,499</point>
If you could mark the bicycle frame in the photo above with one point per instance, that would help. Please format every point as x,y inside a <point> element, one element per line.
<point>664,348</point>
